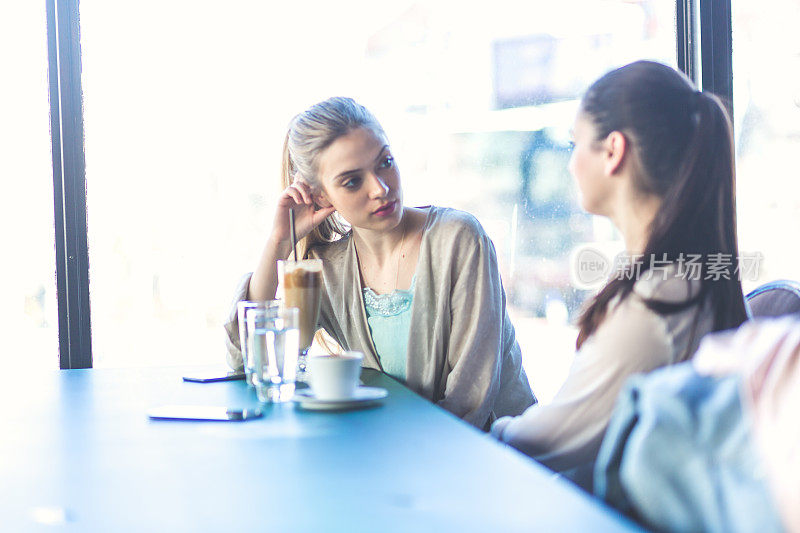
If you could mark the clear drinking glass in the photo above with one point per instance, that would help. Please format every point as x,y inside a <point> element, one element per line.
<point>274,336</point>
<point>302,288</point>
<point>242,309</point>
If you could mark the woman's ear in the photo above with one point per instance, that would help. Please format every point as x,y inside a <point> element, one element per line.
<point>321,199</point>
<point>615,147</point>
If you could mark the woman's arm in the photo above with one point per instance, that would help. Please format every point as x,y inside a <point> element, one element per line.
<point>474,346</point>
<point>234,350</point>
<point>297,197</point>
<point>262,284</point>
<point>567,432</point>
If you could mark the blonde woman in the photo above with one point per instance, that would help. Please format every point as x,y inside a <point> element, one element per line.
<point>417,290</point>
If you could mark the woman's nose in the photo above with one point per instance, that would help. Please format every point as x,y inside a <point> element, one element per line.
<point>378,187</point>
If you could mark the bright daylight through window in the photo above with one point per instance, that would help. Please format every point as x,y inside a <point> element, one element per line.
<point>28,309</point>
<point>184,130</point>
<point>766,100</point>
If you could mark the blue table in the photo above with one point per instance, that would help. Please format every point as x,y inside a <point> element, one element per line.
<point>78,450</point>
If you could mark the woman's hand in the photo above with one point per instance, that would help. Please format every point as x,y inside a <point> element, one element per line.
<point>307,214</point>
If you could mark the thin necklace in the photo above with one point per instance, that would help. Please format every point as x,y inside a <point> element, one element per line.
<point>399,257</point>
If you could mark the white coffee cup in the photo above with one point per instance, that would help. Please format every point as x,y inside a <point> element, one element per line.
<point>335,377</point>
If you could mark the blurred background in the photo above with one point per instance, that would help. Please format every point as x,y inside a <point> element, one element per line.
<point>186,106</point>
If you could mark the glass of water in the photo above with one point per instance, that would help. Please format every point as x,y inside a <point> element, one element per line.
<point>242,308</point>
<point>273,334</point>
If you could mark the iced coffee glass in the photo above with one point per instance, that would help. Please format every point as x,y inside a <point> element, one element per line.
<point>302,288</point>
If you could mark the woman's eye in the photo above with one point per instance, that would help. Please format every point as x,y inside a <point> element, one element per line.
<point>571,145</point>
<point>352,183</point>
<point>388,162</point>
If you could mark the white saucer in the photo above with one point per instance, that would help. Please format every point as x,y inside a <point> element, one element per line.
<point>364,396</point>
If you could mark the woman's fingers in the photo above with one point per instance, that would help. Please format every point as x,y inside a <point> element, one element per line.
<point>305,190</point>
<point>321,214</point>
<point>295,195</point>
<point>300,194</point>
<point>308,215</point>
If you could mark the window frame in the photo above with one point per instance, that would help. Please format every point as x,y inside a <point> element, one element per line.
<point>69,183</point>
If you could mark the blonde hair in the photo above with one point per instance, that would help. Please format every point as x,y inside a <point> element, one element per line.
<point>310,133</point>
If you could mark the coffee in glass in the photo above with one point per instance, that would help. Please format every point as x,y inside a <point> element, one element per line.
<point>302,288</point>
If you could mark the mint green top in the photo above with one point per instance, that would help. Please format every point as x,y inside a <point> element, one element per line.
<point>389,319</point>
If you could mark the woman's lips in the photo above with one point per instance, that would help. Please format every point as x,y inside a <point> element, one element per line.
<point>385,210</point>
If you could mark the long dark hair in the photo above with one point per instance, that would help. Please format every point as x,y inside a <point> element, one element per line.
<point>682,142</point>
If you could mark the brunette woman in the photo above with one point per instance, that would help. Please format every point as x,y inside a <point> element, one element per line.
<point>655,156</point>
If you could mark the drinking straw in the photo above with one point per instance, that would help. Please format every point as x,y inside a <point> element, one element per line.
<point>291,230</point>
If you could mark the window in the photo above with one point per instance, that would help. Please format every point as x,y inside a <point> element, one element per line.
<point>766,107</point>
<point>28,311</point>
<point>186,113</point>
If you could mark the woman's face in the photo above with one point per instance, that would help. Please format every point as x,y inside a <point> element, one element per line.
<point>588,166</point>
<point>359,178</point>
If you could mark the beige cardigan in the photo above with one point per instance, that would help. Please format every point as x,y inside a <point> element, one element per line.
<point>462,349</point>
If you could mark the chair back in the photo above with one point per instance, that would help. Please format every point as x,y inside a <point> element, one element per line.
<point>776,298</point>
